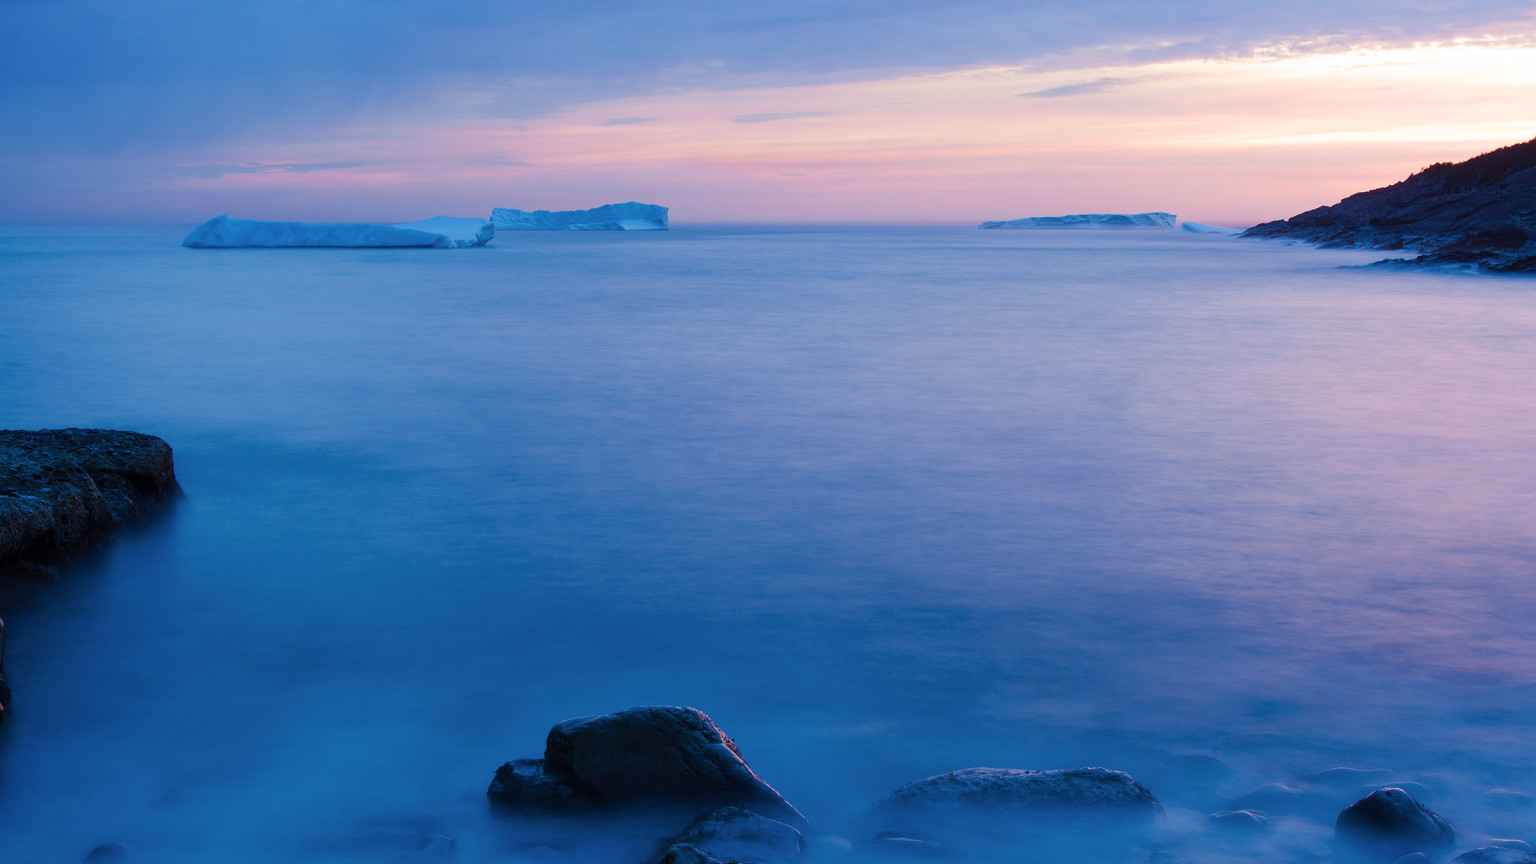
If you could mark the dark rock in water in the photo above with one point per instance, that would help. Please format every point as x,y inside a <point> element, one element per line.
<point>62,490</point>
<point>1390,819</point>
<point>890,841</point>
<point>683,853</point>
<point>1508,799</point>
<point>734,834</point>
<point>1419,791</point>
<point>397,847</point>
<point>108,852</point>
<point>1283,799</point>
<point>1479,213</point>
<point>1495,855</point>
<point>1037,809</point>
<point>1195,767</point>
<point>1079,791</point>
<point>1347,778</point>
<point>1239,821</point>
<point>643,756</point>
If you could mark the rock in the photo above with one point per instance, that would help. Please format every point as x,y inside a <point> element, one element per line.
<point>682,853</point>
<point>1419,791</point>
<point>1287,800</point>
<point>1507,799</point>
<point>1019,807</point>
<point>1509,843</point>
<point>1475,213</point>
<point>1495,855</point>
<point>62,490</point>
<point>890,841</point>
<point>1195,767</point>
<point>398,847</point>
<point>1411,858</point>
<point>642,756</point>
<point>1347,778</point>
<point>108,852</point>
<point>734,834</point>
<point>1391,819</point>
<point>1239,821</point>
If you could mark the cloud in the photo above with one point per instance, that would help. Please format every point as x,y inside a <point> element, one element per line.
<point>1082,89</point>
<point>262,168</point>
<point>769,118</point>
<point>104,79</point>
<point>627,121</point>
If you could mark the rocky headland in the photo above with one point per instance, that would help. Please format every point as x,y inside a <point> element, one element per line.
<point>64,490</point>
<point>1477,214</point>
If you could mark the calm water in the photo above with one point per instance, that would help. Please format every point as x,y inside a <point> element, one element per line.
<point>884,503</point>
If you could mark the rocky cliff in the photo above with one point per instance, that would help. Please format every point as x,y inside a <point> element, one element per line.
<point>1478,213</point>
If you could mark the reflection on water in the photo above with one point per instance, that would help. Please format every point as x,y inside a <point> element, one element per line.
<point>885,503</point>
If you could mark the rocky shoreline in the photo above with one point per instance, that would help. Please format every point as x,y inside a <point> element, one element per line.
<point>1474,215</point>
<point>62,491</point>
<point>675,767</point>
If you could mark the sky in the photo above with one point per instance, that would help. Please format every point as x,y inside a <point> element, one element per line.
<point>1229,112</point>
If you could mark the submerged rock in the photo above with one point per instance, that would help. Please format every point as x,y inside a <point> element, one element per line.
<point>1348,778</point>
<point>734,834</point>
<point>682,853</point>
<point>1496,855</point>
<point>1020,807</point>
<point>1284,799</point>
<point>1081,790</point>
<point>890,841</point>
<point>108,852</point>
<point>1391,819</point>
<point>63,490</point>
<point>1239,821</point>
<point>642,756</point>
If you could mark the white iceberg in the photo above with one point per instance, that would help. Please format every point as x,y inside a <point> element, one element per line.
<point>1197,228</point>
<point>1091,220</point>
<point>439,232</point>
<point>629,216</point>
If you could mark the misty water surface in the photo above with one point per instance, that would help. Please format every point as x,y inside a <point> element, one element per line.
<point>884,503</point>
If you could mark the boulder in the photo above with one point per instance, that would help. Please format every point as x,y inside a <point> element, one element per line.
<point>1495,855</point>
<point>1239,821</point>
<point>62,490</point>
<point>682,853</point>
<point>734,834</point>
<point>1392,820</point>
<point>1285,799</point>
<point>1025,805</point>
<point>1348,778</point>
<point>642,756</point>
<point>912,847</point>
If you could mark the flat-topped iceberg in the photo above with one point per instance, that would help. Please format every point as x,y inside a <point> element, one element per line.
<point>629,216</point>
<point>439,232</point>
<point>1091,220</point>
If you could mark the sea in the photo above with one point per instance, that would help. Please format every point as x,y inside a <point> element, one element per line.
<point>884,502</point>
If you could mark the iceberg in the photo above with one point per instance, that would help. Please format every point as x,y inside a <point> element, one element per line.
<point>629,216</point>
<point>1091,220</point>
<point>1197,228</point>
<point>439,232</point>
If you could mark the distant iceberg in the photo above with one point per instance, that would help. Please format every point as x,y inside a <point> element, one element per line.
<point>1197,228</point>
<point>1091,220</point>
<point>629,216</point>
<point>439,232</point>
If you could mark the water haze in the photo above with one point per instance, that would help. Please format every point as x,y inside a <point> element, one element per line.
<point>884,502</point>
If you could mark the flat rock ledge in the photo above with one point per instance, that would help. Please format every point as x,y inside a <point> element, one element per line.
<point>649,756</point>
<point>64,490</point>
